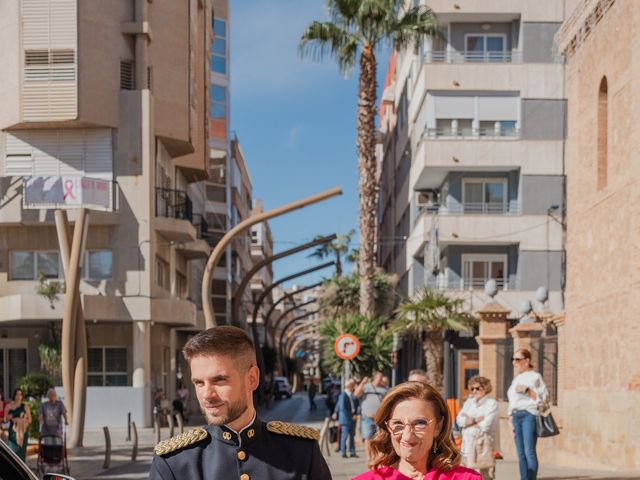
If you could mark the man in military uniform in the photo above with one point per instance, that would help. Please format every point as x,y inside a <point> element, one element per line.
<point>235,444</point>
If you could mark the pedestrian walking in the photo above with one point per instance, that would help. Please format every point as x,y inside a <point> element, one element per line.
<point>370,394</point>
<point>312,390</point>
<point>478,421</point>
<point>528,395</point>
<point>51,415</point>
<point>235,442</point>
<point>347,410</point>
<point>18,414</point>
<point>415,438</point>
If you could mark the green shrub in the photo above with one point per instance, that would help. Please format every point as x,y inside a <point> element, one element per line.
<point>35,385</point>
<point>34,426</point>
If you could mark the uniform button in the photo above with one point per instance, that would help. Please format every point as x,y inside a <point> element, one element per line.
<point>244,476</point>
<point>241,455</point>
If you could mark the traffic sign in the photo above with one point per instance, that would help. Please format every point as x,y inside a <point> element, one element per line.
<point>346,346</point>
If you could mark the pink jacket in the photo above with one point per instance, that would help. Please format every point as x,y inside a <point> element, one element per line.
<point>389,473</point>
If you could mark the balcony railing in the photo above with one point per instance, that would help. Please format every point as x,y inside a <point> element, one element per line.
<point>201,223</point>
<point>453,282</point>
<point>471,208</point>
<point>471,133</point>
<point>173,204</point>
<point>453,56</point>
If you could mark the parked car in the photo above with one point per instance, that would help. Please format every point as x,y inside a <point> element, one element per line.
<point>283,388</point>
<point>13,468</point>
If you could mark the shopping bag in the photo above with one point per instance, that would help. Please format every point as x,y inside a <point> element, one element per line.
<point>546,426</point>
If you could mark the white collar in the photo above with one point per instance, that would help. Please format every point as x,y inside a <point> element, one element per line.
<point>253,419</point>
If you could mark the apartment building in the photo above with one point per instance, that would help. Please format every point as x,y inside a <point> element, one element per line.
<point>260,283</point>
<point>110,97</point>
<point>472,168</point>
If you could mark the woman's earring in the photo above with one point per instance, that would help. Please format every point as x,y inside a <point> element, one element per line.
<point>435,448</point>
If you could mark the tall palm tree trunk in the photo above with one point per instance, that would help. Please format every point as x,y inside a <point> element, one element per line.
<point>367,183</point>
<point>433,348</point>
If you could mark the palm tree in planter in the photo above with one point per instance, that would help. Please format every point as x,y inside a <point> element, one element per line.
<point>427,316</point>
<point>355,29</point>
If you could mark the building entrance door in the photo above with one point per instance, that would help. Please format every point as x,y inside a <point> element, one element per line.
<point>468,366</point>
<point>13,363</point>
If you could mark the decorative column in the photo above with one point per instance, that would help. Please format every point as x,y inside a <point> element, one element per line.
<point>493,328</point>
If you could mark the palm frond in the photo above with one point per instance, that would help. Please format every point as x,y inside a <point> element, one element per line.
<point>415,24</point>
<point>322,38</point>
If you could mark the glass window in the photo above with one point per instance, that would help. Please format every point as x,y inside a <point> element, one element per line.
<point>115,359</point>
<point>95,359</point>
<point>219,47</point>
<point>478,269</point>
<point>99,265</point>
<point>218,64</point>
<point>475,43</point>
<point>218,110</point>
<point>48,264</point>
<point>219,27</point>
<point>485,196</point>
<point>108,367</point>
<point>22,266</point>
<point>218,93</point>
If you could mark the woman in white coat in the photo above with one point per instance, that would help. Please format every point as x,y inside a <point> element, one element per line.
<point>478,420</point>
<point>527,396</point>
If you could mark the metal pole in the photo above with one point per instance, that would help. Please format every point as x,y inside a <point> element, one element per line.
<point>237,299</point>
<point>214,258</point>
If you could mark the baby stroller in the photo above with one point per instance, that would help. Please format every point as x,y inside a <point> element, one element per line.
<point>52,455</point>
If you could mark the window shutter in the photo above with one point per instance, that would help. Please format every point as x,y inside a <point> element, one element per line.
<point>127,75</point>
<point>49,45</point>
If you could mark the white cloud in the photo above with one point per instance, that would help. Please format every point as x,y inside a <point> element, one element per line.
<point>264,43</point>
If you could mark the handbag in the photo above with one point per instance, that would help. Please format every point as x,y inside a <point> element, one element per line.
<point>483,451</point>
<point>546,426</point>
<point>333,434</point>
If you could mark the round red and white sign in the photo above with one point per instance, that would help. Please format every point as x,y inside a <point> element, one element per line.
<point>346,346</point>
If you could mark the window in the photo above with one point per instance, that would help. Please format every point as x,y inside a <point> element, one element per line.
<point>219,47</point>
<point>485,47</point>
<point>478,269</point>
<point>99,265</point>
<point>107,367</point>
<point>218,102</point>
<point>603,126</point>
<point>162,270</point>
<point>28,265</point>
<point>484,195</point>
<point>181,285</point>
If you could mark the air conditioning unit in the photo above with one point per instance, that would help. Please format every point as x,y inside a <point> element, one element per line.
<point>427,198</point>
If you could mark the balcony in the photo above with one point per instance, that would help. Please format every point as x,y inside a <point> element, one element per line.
<point>174,215</point>
<point>471,208</point>
<point>449,280</point>
<point>453,56</point>
<point>450,133</point>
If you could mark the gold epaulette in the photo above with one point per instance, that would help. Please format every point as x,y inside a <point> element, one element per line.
<point>294,430</point>
<point>180,441</point>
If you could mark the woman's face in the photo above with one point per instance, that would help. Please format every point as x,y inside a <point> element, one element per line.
<point>413,426</point>
<point>18,396</point>
<point>477,391</point>
<point>520,363</point>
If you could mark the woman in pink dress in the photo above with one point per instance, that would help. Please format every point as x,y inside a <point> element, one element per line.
<point>414,438</point>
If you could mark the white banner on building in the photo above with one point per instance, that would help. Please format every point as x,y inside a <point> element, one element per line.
<point>67,192</point>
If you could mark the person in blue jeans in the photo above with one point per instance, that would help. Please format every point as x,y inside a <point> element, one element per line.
<point>346,412</point>
<point>528,395</point>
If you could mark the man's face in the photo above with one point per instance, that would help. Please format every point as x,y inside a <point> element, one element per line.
<point>53,396</point>
<point>224,392</point>
<point>377,379</point>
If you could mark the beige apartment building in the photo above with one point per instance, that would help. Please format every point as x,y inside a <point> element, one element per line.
<point>600,337</point>
<point>113,95</point>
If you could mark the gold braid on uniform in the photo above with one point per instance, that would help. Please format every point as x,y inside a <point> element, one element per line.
<point>294,430</point>
<point>180,441</point>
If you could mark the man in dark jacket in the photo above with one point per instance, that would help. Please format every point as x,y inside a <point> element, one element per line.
<point>347,410</point>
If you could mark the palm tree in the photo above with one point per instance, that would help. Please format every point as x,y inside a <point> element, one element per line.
<point>358,27</point>
<point>339,247</point>
<point>428,315</point>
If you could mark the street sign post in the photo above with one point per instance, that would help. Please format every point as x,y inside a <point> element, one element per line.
<point>347,347</point>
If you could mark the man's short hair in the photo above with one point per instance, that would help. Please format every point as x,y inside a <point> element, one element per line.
<point>223,340</point>
<point>418,371</point>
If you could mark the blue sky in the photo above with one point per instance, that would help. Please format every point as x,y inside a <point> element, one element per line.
<point>296,121</point>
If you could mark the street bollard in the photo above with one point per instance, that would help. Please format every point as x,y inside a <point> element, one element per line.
<point>134,450</point>
<point>128,439</point>
<point>107,449</point>
<point>156,425</point>
<point>180,422</point>
<point>171,424</point>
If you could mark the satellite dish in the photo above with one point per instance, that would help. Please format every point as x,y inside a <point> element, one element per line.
<point>542,294</point>
<point>525,307</point>
<point>491,288</point>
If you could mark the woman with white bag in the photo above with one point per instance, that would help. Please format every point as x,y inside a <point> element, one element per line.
<point>478,420</point>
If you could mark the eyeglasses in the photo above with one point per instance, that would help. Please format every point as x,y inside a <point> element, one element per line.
<point>419,427</point>
<point>516,359</point>
<point>476,389</point>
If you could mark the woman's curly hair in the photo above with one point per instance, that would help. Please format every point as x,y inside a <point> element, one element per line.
<point>447,455</point>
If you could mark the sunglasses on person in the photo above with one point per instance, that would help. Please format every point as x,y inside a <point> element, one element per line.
<point>476,389</point>
<point>517,359</point>
<point>396,427</point>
